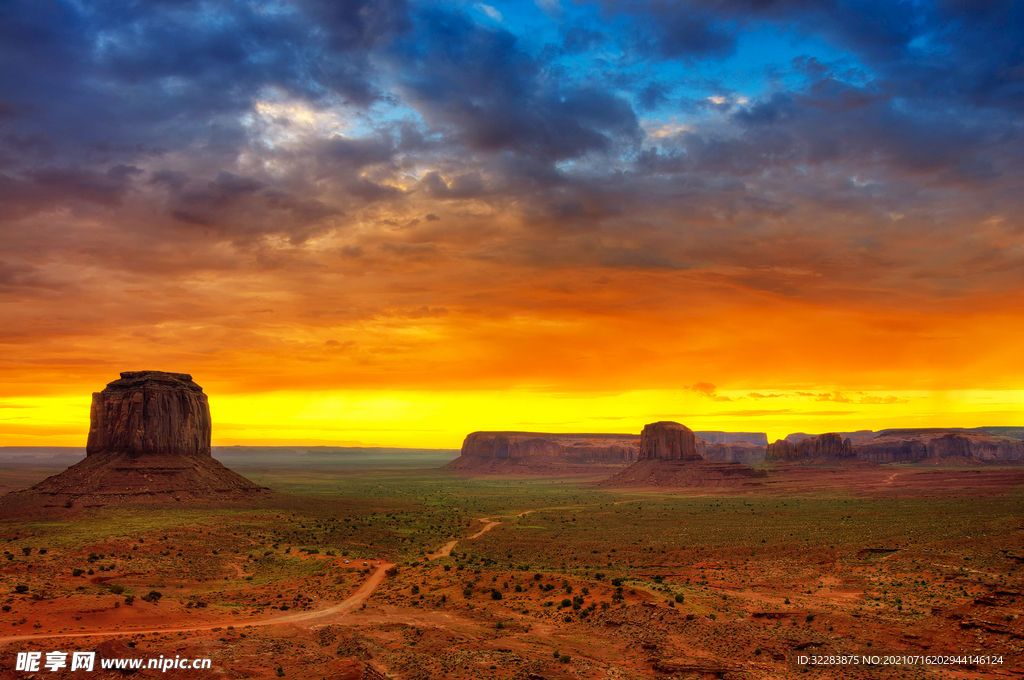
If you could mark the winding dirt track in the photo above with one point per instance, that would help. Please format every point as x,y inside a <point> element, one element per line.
<point>331,612</point>
<point>325,615</point>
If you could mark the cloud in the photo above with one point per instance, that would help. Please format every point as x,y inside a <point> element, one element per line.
<point>165,167</point>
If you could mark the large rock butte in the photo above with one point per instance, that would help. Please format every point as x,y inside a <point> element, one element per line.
<point>150,412</point>
<point>671,456</point>
<point>149,440</point>
<point>666,440</point>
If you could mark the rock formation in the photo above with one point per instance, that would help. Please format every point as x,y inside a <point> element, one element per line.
<point>937,446</point>
<point>716,436</point>
<point>829,445</point>
<point>671,456</point>
<point>666,440</point>
<point>150,412</point>
<point>542,453</point>
<point>854,436</point>
<point>781,449</point>
<point>149,440</point>
<point>735,451</point>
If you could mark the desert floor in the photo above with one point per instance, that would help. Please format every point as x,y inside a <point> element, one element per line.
<point>429,575</point>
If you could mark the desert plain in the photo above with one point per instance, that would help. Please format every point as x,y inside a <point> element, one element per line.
<point>429,573</point>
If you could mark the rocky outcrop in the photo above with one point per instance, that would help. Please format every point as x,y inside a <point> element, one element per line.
<point>781,449</point>
<point>830,445</point>
<point>149,441</point>
<point>731,452</point>
<point>938,446</point>
<point>540,452</point>
<point>666,440</point>
<point>716,436</point>
<point>150,412</point>
<point>854,436</point>
<point>671,456</point>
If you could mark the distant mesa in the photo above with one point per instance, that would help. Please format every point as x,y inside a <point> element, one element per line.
<point>858,435</point>
<point>671,456</point>
<point>736,451</point>
<point>939,446</point>
<point>542,452</point>
<point>149,440</point>
<point>927,445</point>
<point>549,453</point>
<point>716,436</point>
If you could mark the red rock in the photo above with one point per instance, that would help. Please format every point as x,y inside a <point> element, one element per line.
<point>782,449</point>
<point>937,446</point>
<point>734,451</point>
<point>830,445</point>
<point>149,440</point>
<point>540,452</point>
<point>666,440</point>
<point>150,412</point>
<point>716,436</point>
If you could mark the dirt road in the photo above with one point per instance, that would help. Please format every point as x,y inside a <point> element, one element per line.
<point>446,549</point>
<point>328,613</point>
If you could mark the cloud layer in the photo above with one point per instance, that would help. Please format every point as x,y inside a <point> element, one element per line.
<point>601,195</point>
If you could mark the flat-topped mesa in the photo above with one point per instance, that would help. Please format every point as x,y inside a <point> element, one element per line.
<point>666,440</point>
<point>150,413</point>
<point>938,445</point>
<point>781,449</point>
<point>829,445</point>
<point>719,437</point>
<point>542,452</point>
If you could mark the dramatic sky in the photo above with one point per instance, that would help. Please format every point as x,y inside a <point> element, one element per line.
<point>394,222</point>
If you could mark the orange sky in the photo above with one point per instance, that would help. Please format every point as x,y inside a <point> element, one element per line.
<point>397,222</point>
<point>588,350</point>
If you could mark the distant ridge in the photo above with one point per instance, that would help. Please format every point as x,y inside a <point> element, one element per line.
<point>861,435</point>
<point>717,436</point>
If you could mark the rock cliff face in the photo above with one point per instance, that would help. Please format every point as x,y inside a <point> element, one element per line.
<point>829,445</point>
<point>150,412</point>
<point>781,449</point>
<point>731,452</point>
<point>540,452</point>
<point>716,436</point>
<point>937,446</point>
<point>149,441</point>
<point>666,440</point>
<point>671,456</point>
<point>858,435</point>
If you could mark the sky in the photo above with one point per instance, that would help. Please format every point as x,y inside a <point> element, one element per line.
<point>395,222</point>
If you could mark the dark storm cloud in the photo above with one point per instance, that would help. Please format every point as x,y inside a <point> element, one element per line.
<point>478,81</point>
<point>124,110</point>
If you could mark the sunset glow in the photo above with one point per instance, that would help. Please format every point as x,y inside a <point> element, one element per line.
<point>393,223</point>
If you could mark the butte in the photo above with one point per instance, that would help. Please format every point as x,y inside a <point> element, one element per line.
<point>149,442</point>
